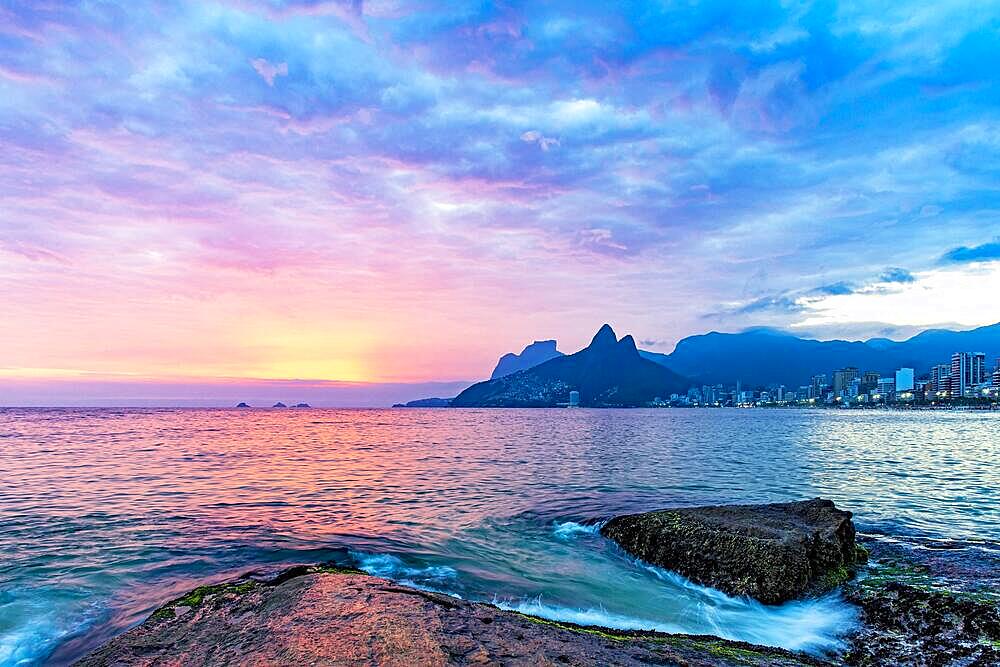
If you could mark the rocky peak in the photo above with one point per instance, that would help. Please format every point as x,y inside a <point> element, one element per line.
<point>604,338</point>
<point>627,345</point>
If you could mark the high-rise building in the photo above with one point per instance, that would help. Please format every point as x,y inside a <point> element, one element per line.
<point>842,379</point>
<point>961,373</point>
<point>817,386</point>
<point>939,377</point>
<point>885,387</point>
<point>995,382</point>
<point>968,369</point>
<point>869,381</point>
<point>854,388</point>
<point>904,380</point>
<point>979,374</point>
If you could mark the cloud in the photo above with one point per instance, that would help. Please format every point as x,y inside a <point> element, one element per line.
<point>968,295</point>
<point>501,156</point>
<point>783,304</point>
<point>979,253</point>
<point>545,143</point>
<point>841,287</point>
<point>896,275</point>
<point>267,71</point>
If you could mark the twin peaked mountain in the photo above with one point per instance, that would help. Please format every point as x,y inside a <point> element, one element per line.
<point>608,372</point>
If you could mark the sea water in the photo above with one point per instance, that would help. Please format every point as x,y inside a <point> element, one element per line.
<point>107,513</point>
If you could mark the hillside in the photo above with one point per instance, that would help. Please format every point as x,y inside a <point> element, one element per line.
<point>608,372</point>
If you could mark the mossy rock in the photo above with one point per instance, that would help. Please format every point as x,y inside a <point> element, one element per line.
<point>774,553</point>
<point>197,597</point>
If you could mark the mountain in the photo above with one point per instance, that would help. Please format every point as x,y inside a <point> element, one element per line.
<point>763,356</point>
<point>425,403</point>
<point>609,372</point>
<point>537,353</point>
<point>935,346</point>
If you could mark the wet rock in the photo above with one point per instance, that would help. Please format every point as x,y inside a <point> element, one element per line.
<point>315,615</point>
<point>915,624</point>
<point>773,553</point>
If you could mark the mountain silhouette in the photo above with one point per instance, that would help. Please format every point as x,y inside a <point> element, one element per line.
<point>765,356</point>
<point>607,373</point>
<point>537,353</point>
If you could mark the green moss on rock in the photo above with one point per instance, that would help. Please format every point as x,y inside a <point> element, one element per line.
<point>198,596</point>
<point>773,552</point>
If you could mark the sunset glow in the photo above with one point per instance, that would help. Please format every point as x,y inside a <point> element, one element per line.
<point>384,193</point>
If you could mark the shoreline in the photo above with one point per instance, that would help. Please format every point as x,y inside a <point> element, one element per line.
<point>329,613</point>
<point>317,613</point>
<point>309,614</point>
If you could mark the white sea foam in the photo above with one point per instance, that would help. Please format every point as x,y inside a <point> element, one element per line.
<point>811,625</point>
<point>567,530</point>
<point>392,567</point>
<point>34,621</point>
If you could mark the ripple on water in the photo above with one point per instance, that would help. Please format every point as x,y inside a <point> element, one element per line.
<point>96,504</point>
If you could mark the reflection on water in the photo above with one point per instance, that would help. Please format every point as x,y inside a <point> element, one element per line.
<point>106,513</point>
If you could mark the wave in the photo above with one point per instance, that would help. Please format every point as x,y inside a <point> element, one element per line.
<point>387,566</point>
<point>813,626</point>
<point>566,530</point>
<point>34,621</point>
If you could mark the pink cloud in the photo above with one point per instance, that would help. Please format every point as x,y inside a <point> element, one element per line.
<point>267,71</point>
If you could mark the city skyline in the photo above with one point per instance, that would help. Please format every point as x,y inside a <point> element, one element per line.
<point>390,193</point>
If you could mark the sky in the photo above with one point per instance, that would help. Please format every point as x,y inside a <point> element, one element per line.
<point>399,192</point>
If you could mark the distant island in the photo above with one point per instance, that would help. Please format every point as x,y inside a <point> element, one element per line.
<point>426,403</point>
<point>607,373</point>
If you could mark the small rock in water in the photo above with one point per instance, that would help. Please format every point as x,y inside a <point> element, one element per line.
<point>243,405</point>
<point>279,404</point>
<point>773,553</point>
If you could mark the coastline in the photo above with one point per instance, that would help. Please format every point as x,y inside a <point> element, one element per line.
<point>489,533</point>
<point>328,614</point>
<point>316,614</point>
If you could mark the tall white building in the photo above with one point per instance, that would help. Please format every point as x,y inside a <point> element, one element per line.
<point>904,380</point>
<point>968,369</point>
<point>961,373</point>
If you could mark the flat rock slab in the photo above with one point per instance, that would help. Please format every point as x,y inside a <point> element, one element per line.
<point>314,617</point>
<point>773,553</point>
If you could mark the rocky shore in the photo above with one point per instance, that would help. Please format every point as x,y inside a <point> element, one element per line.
<point>332,616</point>
<point>782,551</point>
<point>327,615</point>
<point>909,616</point>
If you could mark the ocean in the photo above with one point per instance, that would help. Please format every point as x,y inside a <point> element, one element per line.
<point>107,513</point>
